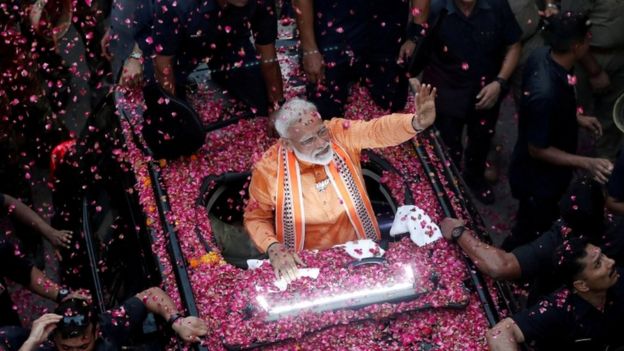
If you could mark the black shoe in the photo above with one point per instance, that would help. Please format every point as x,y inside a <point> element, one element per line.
<point>481,190</point>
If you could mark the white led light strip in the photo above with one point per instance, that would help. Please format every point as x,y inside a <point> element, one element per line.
<point>345,300</point>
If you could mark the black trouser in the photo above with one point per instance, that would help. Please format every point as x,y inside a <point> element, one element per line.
<point>246,83</point>
<point>480,125</point>
<point>248,87</point>
<point>385,80</point>
<point>535,216</point>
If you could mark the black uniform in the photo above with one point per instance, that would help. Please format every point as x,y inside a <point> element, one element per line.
<point>196,30</point>
<point>547,119</point>
<point>360,42</point>
<point>467,54</point>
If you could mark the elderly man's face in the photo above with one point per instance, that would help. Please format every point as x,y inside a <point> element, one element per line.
<point>309,139</point>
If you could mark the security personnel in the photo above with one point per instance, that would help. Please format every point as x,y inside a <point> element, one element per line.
<point>348,41</point>
<point>545,154</point>
<point>188,32</point>
<point>601,79</point>
<point>474,53</point>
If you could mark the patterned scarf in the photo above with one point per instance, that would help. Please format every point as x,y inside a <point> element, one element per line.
<point>344,177</point>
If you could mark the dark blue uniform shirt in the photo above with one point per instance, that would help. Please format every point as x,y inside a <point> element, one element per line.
<point>468,52</point>
<point>194,30</point>
<point>17,268</point>
<point>360,24</point>
<point>565,321</point>
<point>547,119</point>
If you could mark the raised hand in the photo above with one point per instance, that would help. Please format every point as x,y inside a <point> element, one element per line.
<point>425,104</point>
<point>41,329</point>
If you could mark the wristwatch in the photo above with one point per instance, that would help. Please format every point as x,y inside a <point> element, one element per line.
<point>62,294</point>
<point>503,83</point>
<point>136,55</point>
<point>457,232</point>
<point>174,317</point>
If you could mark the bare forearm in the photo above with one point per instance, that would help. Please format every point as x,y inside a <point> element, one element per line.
<point>510,61</point>
<point>163,70</point>
<point>420,11</point>
<point>490,260</point>
<point>41,285</point>
<point>271,72</point>
<point>615,206</point>
<point>26,215</point>
<point>157,302</point>
<point>29,346</point>
<point>304,10</point>
<point>557,157</point>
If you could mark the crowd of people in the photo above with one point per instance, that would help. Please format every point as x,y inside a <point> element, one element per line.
<point>561,62</point>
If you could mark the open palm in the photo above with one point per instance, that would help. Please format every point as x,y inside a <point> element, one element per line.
<point>425,103</point>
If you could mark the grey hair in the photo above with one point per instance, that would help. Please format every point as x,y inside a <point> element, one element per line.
<point>291,112</point>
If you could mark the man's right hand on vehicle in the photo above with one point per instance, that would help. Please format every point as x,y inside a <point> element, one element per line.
<point>190,329</point>
<point>284,262</point>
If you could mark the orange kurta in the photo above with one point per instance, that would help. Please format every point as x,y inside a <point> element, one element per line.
<point>326,222</point>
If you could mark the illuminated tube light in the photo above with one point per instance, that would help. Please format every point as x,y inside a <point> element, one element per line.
<point>360,298</point>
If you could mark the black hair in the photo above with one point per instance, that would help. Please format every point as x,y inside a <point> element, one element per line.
<point>567,260</point>
<point>77,314</point>
<point>563,30</point>
<point>582,208</point>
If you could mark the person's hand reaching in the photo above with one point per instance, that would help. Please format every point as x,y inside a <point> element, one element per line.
<point>59,238</point>
<point>190,329</point>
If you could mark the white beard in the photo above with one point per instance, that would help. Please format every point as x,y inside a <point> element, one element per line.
<point>322,161</point>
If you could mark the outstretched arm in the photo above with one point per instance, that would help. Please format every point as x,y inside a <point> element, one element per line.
<point>25,215</point>
<point>504,336</point>
<point>272,74</point>
<point>157,301</point>
<point>312,57</point>
<point>490,260</point>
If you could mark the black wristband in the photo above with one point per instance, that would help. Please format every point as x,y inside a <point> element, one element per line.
<point>414,31</point>
<point>269,247</point>
<point>503,83</point>
<point>174,317</point>
<point>62,294</point>
<point>457,233</point>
